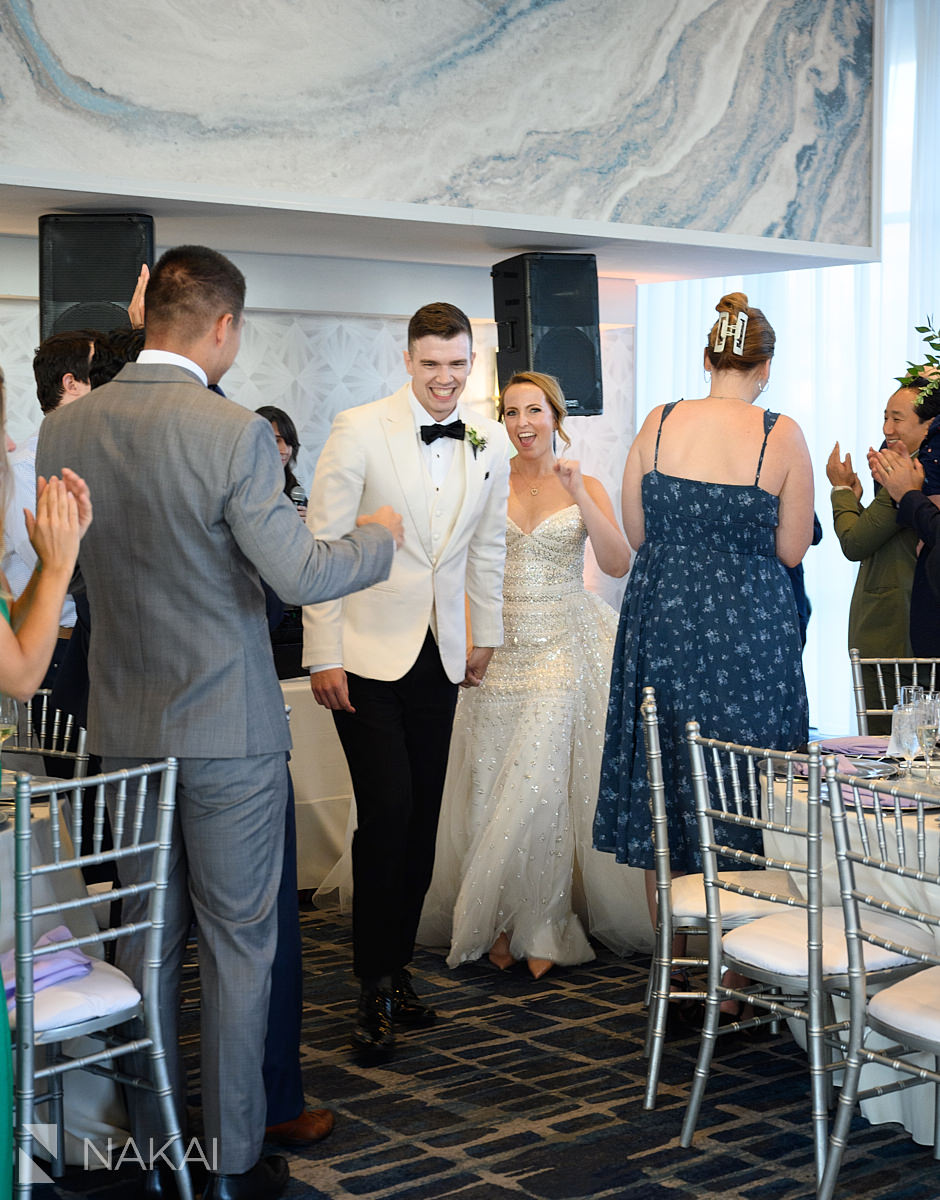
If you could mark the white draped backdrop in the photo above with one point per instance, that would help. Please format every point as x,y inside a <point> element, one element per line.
<point>843,333</point>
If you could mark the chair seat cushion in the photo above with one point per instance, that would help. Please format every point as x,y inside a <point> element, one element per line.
<point>104,990</point>
<point>910,1005</point>
<point>778,943</point>
<point>688,896</point>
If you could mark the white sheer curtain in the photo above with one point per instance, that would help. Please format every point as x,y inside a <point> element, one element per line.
<point>843,334</point>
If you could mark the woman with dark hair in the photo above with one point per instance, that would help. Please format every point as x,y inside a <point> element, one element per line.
<point>285,621</point>
<point>288,445</point>
<point>717,500</point>
<point>515,828</point>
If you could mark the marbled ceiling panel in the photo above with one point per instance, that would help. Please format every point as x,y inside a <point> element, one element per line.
<point>738,117</point>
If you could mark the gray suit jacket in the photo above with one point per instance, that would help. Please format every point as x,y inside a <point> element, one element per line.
<point>189,510</point>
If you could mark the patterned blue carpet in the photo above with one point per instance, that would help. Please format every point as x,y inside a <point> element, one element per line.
<point>534,1090</point>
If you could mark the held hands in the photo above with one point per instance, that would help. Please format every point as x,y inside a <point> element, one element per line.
<point>56,529</point>
<point>568,471</point>
<point>477,661</point>
<point>841,473</point>
<point>331,689</point>
<point>897,473</point>
<point>386,516</point>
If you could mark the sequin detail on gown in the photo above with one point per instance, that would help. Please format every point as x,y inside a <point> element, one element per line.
<point>709,621</point>
<point>523,771</point>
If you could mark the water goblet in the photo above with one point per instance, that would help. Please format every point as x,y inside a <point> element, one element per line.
<point>9,714</point>
<point>904,733</point>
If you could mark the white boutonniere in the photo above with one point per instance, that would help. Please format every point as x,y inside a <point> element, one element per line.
<point>476,439</point>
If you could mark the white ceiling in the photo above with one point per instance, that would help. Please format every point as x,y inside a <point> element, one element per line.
<point>410,233</point>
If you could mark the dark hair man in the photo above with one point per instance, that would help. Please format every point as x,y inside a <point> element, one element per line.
<point>388,661</point>
<point>190,511</point>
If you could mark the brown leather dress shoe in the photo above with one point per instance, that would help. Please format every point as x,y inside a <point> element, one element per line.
<point>313,1125</point>
<point>267,1180</point>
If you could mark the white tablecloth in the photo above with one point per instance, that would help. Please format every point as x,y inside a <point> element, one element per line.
<point>322,787</point>
<point>913,1108</point>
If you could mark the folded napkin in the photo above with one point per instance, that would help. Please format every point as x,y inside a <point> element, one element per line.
<point>50,968</point>
<point>870,747</point>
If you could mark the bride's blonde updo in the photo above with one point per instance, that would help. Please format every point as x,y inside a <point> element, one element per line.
<point>727,350</point>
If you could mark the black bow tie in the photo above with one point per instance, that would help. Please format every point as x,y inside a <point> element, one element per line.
<point>430,433</point>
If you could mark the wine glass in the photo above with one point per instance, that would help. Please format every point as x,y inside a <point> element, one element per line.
<point>9,718</point>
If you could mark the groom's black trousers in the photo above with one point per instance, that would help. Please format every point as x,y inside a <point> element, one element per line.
<point>396,744</point>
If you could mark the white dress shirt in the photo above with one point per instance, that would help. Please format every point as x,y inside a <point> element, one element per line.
<point>437,455</point>
<point>177,360</point>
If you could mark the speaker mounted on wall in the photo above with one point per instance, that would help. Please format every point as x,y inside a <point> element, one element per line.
<point>88,266</point>
<point>546,320</point>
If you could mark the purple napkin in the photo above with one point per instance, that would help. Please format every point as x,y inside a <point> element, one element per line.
<point>50,968</point>
<point>870,747</point>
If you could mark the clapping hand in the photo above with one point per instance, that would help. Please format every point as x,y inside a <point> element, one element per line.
<point>897,473</point>
<point>55,530</point>
<point>77,487</point>
<point>841,473</point>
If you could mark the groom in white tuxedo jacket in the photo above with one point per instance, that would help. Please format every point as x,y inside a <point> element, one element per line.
<point>388,661</point>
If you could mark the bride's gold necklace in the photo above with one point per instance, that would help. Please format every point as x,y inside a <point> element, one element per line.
<point>533,491</point>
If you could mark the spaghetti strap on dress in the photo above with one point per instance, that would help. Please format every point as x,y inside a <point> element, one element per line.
<point>709,621</point>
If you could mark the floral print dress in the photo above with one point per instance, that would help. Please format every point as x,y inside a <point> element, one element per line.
<point>709,621</point>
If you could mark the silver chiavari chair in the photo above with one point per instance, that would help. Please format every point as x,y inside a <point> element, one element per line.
<point>681,909</point>
<point>889,877</point>
<point>104,999</point>
<point>46,733</point>
<point>742,794</point>
<point>886,677</point>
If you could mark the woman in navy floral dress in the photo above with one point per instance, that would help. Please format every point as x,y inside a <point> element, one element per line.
<point>717,498</point>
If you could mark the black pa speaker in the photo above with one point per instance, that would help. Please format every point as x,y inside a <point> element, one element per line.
<point>546,320</point>
<point>88,266</point>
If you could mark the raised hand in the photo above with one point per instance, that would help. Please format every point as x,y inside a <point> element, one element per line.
<point>897,473</point>
<point>841,473</point>
<point>77,487</point>
<point>55,531</point>
<point>568,471</point>
<point>135,310</point>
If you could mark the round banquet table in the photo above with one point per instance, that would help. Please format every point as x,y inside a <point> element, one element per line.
<point>913,1108</point>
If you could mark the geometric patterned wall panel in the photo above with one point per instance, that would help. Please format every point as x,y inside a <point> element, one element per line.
<point>314,365</point>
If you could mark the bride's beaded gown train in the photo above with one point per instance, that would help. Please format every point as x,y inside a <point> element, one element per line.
<point>514,850</point>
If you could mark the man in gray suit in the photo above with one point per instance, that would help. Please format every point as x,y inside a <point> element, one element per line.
<point>189,511</point>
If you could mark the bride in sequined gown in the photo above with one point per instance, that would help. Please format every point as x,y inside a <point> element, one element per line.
<point>514,855</point>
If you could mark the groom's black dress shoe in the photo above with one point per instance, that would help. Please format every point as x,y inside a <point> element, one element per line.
<point>374,1032</point>
<point>266,1180</point>
<point>407,1009</point>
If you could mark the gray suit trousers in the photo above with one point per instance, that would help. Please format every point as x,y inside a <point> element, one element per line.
<point>225,869</point>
